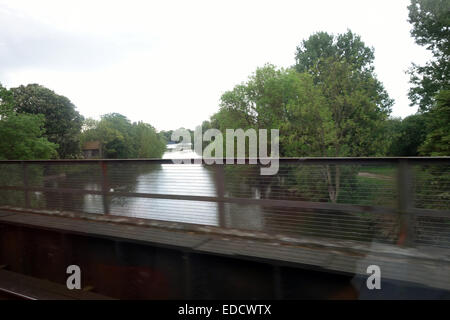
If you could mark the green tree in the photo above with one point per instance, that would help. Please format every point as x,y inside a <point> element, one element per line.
<point>113,132</point>
<point>315,52</point>
<point>122,139</point>
<point>334,107</point>
<point>166,136</point>
<point>437,141</point>
<point>148,144</point>
<point>359,106</point>
<point>62,121</point>
<point>119,130</point>
<point>430,83</point>
<point>344,114</point>
<point>22,134</point>
<point>342,66</point>
<point>407,135</point>
<point>431,28</point>
<point>331,105</point>
<point>309,129</point>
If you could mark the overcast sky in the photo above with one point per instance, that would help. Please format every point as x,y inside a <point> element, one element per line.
<point>168,62</point>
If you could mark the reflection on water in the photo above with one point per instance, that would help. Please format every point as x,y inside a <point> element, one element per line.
<point>176,179</point>
<point>172,179</point>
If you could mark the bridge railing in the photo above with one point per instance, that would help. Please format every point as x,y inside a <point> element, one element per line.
<point>392,200</point>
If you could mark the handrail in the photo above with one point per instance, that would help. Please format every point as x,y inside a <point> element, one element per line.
<point>247,160</point>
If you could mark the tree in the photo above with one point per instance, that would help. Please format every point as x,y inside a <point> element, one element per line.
<point>337,90</point>
<point>22,134</point>
<point>166,136</point>
<point>313,53</point>
<point>359,106</point>
<point>431,28</point>
<point>342,66</point>
<point>356,104</point>
<point>331,105</point>
<point>260,103</point>
<point>119,130</point>
<point>340,115</point>
<point>122,139</point>
<point>437,141</point>
<point>148,144</point>
<point>62,121</point>
<point>113,132</point>
<point>343,115</point>
<point>89,123</point>
<point>407,135</point>
<point>309,129</point>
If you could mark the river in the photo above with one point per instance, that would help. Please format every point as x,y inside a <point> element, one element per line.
<point>174,179</point>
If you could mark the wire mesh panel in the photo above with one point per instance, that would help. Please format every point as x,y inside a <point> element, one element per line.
<point>357,184</point>
<point>432,187</point>
<point>64,186</point>
<point>346,199</point>
<point>432,191</point>
<point>300,222</point>
<point>11,175</point>
<point>433,231</point>
<point>155,178</point>
<point>352,183</point>
<point>185,211</point>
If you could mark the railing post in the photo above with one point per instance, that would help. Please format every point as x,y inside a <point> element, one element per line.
<point>220,187</point>
<point>405,203</point>
<point>25,184</point>
<point>105,187</point>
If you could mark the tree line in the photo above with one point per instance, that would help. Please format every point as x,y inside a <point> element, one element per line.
<point>37,123</point>
<point>329,103</point>
<point>121,139</point>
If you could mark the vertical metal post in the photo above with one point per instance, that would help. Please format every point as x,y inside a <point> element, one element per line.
<point>25,184</point>
<point>105,187</point>
<point>61,195</point>
<point>220,187</point>
<point>405,203</point>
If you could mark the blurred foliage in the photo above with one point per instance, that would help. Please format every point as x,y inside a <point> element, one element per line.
<point>407,135</point>
<point>437,141</point>
<point>62,122</point>
<point>430,21</point>
<point>329,104</point>
<point>22,135</point>
<point>121,139</point>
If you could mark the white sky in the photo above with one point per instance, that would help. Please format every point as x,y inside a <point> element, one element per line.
<point>168,62</point>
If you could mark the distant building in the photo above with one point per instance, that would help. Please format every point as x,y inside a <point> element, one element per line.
<point>92,150</point>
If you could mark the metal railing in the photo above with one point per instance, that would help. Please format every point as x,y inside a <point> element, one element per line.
<point>392,200</point>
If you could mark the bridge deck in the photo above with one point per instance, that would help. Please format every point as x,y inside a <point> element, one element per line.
<point>427,266</point>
